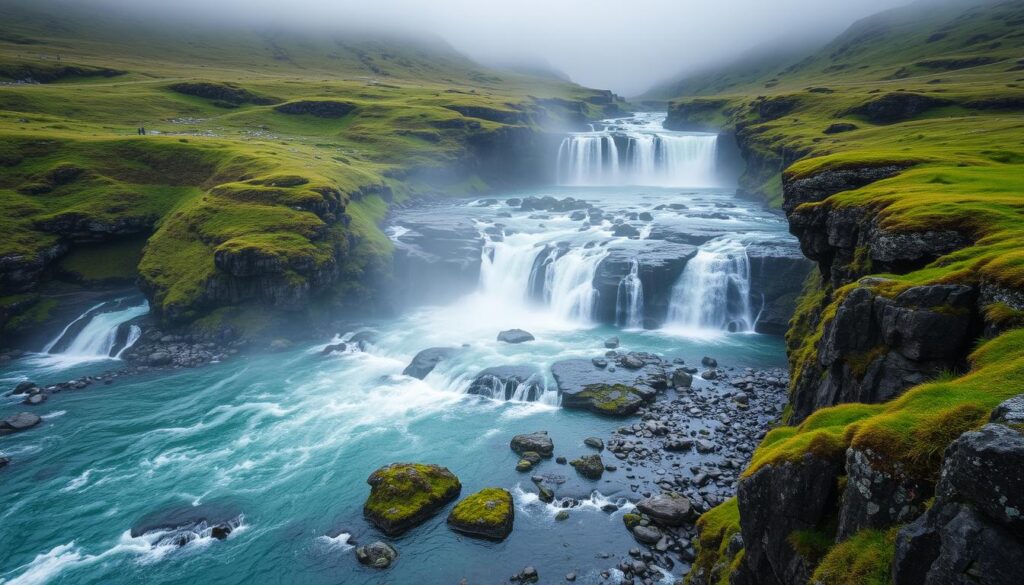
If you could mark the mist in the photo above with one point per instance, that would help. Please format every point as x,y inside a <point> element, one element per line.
<point>622,46</point>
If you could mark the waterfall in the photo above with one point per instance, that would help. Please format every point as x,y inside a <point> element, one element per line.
<point>98,333</point>
<point>519,269</point>
<point>629,304</point>
<point>652,156</point>
<point>713,292</point>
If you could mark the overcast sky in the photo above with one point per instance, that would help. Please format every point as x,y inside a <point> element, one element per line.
<point>623,45</point>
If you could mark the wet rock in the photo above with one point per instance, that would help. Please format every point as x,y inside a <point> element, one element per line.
<point>589,466</point>
<point>18,422</point>
<point>709,362</point>
<point>488,514</point>
<point>334,347</point>
<point>24,387</point>
<point>426,360</point>
<point>562,516</point>
<point>527,575</point>
<point>611,342</point>
<point>670,509</point>
<point>515,336</point>
<point>508,382</point>
<point>614,400</point>
<point>681,379</point>
<point>528,461</point>
<point>379,555</point>
<point>538,442</point>
<point>404,495</point>
<point>594,443</point>
<point>34,399</point>
<point>159,358</point>
<point>646,534</point>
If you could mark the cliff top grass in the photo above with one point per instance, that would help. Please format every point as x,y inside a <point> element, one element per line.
<point>250,136</point>
<point>862,559</point>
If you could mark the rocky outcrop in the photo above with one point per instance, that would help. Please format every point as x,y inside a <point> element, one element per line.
<point>318,108</point>
<point>876,347</point>
<point>848,242</point>
<point>974,532</point>
<point>379,555</point>
<point>778,503</point>
<point>659,265</point>
<point>538,442</point>
<point>896,107</point>
<point>582,384</point>
<point>878,494</point>
<point>777,275</point>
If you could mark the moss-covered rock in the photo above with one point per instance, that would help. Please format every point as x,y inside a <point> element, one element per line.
<point>609,399</point>
<point>488,513</point>
<point>589,466</point>
<point>404,495</point>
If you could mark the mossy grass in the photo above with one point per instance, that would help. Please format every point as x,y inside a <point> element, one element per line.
<point>714,530</point>
<point>221,167</point>
<point>862,559</point>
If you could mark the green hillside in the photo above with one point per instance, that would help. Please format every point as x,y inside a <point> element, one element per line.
<point>935,91</point>
<point>262,148</point>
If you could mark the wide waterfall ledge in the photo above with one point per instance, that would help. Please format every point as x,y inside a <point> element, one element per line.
<point>638,151</point>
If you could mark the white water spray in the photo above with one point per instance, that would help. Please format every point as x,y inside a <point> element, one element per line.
<point>629,306</point>
<point>713,292</point>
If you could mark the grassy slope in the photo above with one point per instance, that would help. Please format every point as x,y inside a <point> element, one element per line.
<point>967,174</point>
<point>207,175</point>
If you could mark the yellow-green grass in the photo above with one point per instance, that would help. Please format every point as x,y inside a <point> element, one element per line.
<point>212,175</point>
<point>714,530</point>
<point>862,559</point>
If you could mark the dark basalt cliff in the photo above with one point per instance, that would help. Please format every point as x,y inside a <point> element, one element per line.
<point>864,339</point>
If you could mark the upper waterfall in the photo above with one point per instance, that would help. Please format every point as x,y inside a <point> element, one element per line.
<point>638,151</point>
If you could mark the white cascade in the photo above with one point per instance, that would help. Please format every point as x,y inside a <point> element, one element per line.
<point>629,304</point>
<point>652,156</point>
<point>565,275</point>
<point>97,339</point>
<point>713,292</point>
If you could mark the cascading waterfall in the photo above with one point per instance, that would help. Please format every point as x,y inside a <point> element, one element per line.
<point>519,268</point>
<point>713,292</point>
<point>629,305</point>
<point>651,157</point>
<point>98,333</point>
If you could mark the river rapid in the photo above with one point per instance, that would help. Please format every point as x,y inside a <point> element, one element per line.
<point>283,442</point>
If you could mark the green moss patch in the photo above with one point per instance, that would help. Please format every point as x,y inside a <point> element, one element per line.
<point>863,559</point>
<point>488,513</point>
<point>403,495</point>
<point>715,528</point>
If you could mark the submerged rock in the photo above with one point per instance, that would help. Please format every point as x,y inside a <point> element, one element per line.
<point>426,360</point>
<point>538,442</point>
<point>404,495</point>
<point>515,336</point>
<point>184,523</point>
<point>488,514</point>
<point>379,555</point>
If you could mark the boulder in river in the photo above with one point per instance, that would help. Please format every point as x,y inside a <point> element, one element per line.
<point>610,399</point>
<point>18,422</point>
<point>538,442</point>
<point>670,509</point>
<point>509,382</point>
<point>488,514</point>
<point>378,555</point>
<point>404,495</point>
<point>589,466</point>
<point>24,387</point>
<point>515,336</point>
<point>426,360</point>
<point>681,379</point>
<point>181,524</point>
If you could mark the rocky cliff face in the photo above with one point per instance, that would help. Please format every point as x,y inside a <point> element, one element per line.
<point>868,340</point>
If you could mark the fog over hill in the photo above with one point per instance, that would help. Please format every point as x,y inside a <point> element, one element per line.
<point>598,43</point>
